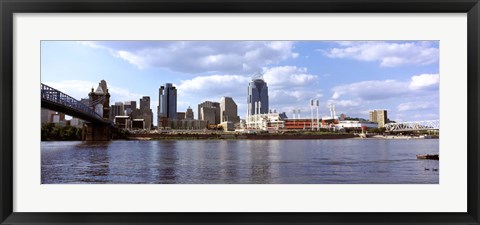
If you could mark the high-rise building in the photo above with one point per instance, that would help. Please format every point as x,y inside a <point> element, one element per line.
<point>167,102</point>
<point>209,111</point>
<point>145,102</point>
<point>47,115</point>
<point>117,110</point>
<point>228,110</point>
<point>189,114</point>
<point>210,115</point>
<point>379,116</point>
<point>129,106</point>
<point>257,101</point>
<point>180,115</point>
<point>144,112</point>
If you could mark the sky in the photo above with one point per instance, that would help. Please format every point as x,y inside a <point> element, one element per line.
<point>357,76</point>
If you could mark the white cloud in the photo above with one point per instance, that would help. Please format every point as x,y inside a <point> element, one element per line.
<point>284,76</point>
<point>428,116</point>
<point>345,103</point>
<point>200,56</point>
<point>371,90</point>
<point>385,89</point>
<point>79,89</point>
<point>424,81</point>
<point>214,85</point>
<point>387,53</point>
<point>414,106</point>
<point>419,93</point>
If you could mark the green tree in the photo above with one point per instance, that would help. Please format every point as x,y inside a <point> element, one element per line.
<point>46,130</point>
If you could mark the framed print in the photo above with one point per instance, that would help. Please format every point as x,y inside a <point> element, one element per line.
<point>200,112</point>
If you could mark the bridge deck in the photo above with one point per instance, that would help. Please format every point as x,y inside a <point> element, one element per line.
<point>413,126</point>
<point>56,100</point>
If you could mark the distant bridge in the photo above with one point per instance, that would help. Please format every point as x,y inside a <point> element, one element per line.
<point>413,126</point>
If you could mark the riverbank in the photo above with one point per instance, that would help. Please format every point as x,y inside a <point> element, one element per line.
<point>398,137</point>
<point>226,136</point>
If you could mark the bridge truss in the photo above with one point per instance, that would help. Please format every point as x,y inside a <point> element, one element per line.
<point>413,126</point>
<point>56,100</point>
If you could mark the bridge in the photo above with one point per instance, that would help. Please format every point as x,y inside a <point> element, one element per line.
<point>413,126</point>
<point>96,114</point>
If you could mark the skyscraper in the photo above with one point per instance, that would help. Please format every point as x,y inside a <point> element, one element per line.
<point>117,110</point>
<point>129,106</point>
<point>257,101</point>
<point>145,102</point>
<point>209,111</point>
<point>167,102</point>
<point>228,110</point>
<point>379,116</point>
<point>144,112</point>
<point>189,114</point>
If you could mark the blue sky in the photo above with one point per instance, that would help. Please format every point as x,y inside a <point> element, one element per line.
<point>356,76</point>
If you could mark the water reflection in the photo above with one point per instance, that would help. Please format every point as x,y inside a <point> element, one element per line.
<point>239,162</point>
<point>167,160</point>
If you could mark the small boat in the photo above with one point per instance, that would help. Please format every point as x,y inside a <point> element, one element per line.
<point>428,156</point>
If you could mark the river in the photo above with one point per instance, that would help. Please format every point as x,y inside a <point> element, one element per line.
<point>345,161</point>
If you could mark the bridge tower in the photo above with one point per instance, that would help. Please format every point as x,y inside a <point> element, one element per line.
<point>100,102</point>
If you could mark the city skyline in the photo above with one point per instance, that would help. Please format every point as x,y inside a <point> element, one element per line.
<point>401,77</point>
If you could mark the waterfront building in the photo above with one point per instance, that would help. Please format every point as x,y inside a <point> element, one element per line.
<point>210,115</point>
<point>227,126</point>
<point>117,110</point>
<point>379,116</point>
<point>189,114</point>
<point>145,114</point>
<point>180,115</point>
<point>187,124</point>
<point>129,106</point>
<point>46,115</point>
<point>257,101</point>
<point>300,124</point>
<point>138,124</point>
<point>122,122</point>
<point>167,102</point>
<point>209,111</point>
<point>75,122</point>
<point>228,110</point>
<point>57,117</point>
<point>145,102</point>
<point>355,125</point>
<point>267,121</point>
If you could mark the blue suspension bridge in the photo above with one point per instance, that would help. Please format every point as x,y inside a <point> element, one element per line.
<point>98,124</point>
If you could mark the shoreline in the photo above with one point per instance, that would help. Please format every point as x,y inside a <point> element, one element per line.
<point>264,136</point>
<point>239,136</point>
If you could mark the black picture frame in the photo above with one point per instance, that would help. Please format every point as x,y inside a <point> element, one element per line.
<point>10,7</point>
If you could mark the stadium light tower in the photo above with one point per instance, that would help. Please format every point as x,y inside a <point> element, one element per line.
<point>318,121</point>
<point>311,112</point>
